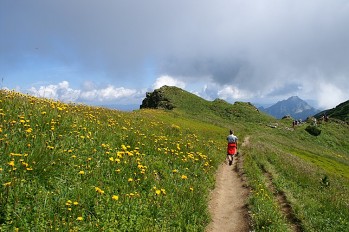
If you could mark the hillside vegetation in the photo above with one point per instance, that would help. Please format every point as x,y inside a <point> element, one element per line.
<point>191,106</point>
<point>340,112</point>
<point>75,167</point>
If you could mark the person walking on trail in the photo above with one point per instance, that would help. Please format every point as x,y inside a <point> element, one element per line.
<point>232,146</point>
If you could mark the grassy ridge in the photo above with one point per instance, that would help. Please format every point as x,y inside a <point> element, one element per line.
<point>217,112</point>
<point>74,167</point>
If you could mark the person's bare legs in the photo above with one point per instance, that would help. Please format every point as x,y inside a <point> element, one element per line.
<point>230,159</point>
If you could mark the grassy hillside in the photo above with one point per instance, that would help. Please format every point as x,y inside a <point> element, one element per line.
<point>340,112</point>
<point>89,169</point>
<point>74,167</point>
<point>217,112</point>
<point>310,173</point>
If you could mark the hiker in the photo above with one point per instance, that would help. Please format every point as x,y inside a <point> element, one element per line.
<point>326,118</point>
<point>232,147</point>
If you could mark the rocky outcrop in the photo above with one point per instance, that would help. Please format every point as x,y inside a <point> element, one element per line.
<point>156,100</point>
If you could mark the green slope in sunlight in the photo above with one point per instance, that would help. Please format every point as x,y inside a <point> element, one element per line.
<point>75,167</point>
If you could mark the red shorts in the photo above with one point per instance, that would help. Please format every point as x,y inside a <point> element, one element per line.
<point>231,150</point>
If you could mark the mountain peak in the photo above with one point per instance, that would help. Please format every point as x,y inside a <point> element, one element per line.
<point>293,106</point>
<point>294,98</point>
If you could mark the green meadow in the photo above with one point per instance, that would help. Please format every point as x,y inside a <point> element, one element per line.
<point>71,167</point>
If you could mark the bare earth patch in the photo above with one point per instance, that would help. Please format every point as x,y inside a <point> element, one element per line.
<point>228,200</point>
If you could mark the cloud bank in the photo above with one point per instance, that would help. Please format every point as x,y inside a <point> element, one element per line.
<point>242,49</point>
<point>90,94</point>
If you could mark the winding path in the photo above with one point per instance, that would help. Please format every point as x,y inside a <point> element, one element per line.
<point>228,200</point>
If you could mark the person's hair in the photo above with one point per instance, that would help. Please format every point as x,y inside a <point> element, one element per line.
<point>231,131</point>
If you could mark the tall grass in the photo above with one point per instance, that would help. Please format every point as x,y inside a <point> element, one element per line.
<point>311,171</point>
<point>74,167</point>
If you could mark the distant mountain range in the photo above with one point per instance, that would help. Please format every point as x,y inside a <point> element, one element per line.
<point>293,106</point>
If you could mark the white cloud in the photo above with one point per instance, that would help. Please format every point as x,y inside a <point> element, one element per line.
<point>168,80</point>
<point>330,96</point>
<point>109,93</point>
<point>61,92</point>
<point>230,92</point>
<point>90,94</point>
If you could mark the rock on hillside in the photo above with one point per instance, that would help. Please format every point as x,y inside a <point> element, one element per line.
<point>157,100</point>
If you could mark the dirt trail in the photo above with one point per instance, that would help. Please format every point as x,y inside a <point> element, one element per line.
<point>228,200</point>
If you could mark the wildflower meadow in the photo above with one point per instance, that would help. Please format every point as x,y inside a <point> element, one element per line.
<point>75,167</point>
<point>72,167</point>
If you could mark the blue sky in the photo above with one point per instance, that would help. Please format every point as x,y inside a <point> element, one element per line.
<point>113,52</point>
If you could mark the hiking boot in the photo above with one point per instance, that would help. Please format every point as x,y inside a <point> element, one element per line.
<point>230,162</point>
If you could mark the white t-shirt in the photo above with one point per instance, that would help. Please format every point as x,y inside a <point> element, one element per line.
<point>232,139</point>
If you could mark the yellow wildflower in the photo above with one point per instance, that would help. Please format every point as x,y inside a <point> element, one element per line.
<point>115,197</point>
<point>7,184</point>
<point>81,172</point>
<point>80,218</point>
<point>24,164</point>
<point>68,203</point>
<point>100,191</point>
<point>184,177</point>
